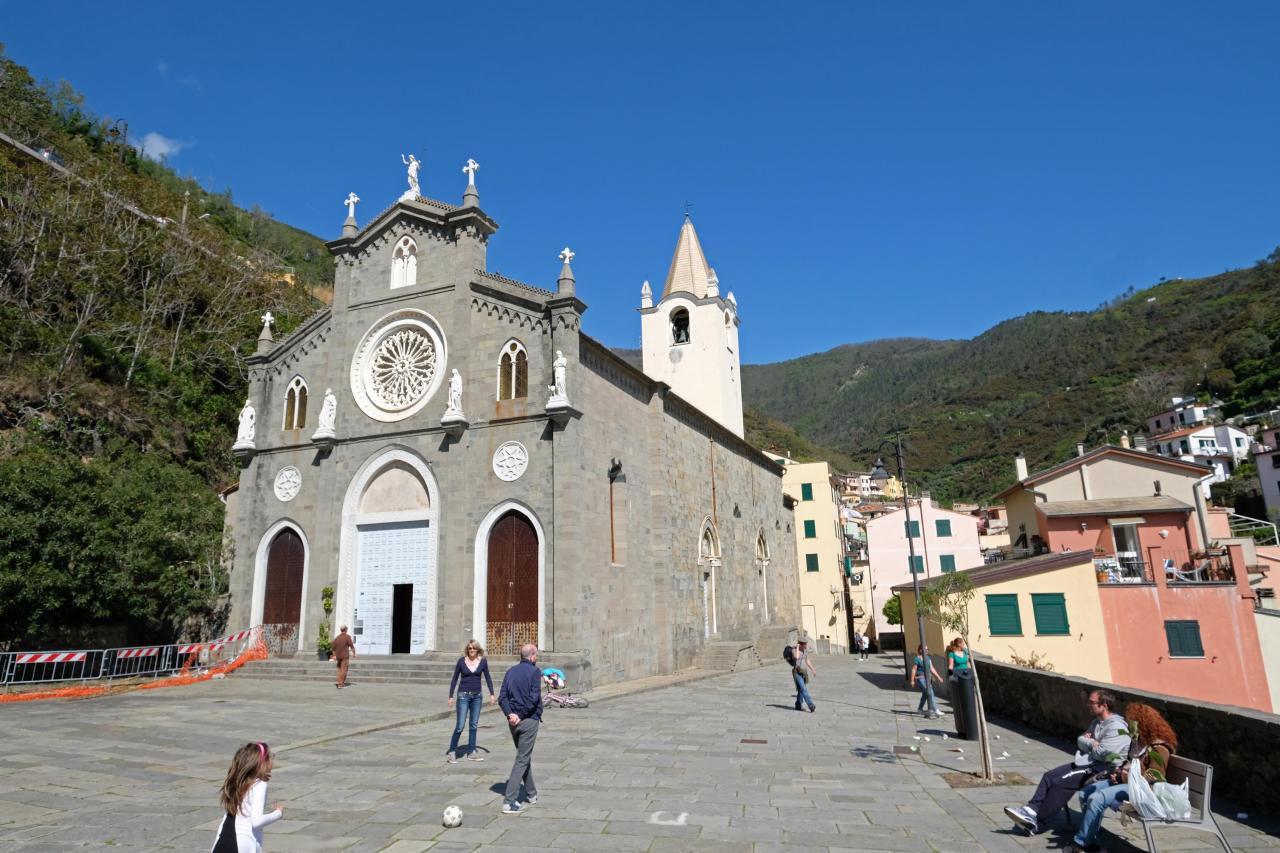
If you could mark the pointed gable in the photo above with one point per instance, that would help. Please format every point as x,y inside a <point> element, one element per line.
<point>689,271</point>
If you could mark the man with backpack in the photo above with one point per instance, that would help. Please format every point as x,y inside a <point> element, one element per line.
<point>801,668</point>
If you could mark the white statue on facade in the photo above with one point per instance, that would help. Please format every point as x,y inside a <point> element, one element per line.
<point>559,391</point>
<point>414,165</point>
<point>455,391</point>
<point>247,429</point>
<point>328,416</point>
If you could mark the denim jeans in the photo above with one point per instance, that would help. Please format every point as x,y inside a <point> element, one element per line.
<point>802,691</point>
<point>1095,799</point>
<point>926,696</point>
<point>469,704</point>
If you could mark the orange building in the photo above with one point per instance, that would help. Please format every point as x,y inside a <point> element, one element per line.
<point>1176,604</point>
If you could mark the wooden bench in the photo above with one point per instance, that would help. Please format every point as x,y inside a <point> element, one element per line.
<point>1199,778</point>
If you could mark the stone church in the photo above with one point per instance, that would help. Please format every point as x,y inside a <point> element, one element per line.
<point>447,449</point>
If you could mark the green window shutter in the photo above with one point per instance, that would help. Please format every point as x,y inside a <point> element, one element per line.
<point>806,491</point>
<point>1184,638</point>
<point>916,564</point>
<point>811,562</point>
<point>911,528</point>
<point>948,562</point>
<point>810,530</point>
<point>943,526</point>
<point>1003,617</point>
<point>848,566</point>
<point>1050,610</point>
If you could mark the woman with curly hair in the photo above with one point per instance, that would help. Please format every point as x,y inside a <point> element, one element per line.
<point>1153,741</point>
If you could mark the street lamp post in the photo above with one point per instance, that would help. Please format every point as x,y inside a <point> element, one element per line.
<point>880,476</point>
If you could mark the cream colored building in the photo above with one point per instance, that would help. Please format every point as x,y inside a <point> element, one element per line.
<point>1048,607</point>
<point>819,552</point>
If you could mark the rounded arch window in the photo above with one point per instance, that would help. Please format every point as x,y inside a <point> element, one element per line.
<point>680,326</point>
<point>404,263</point>
<point>295,404</point>
<point>513,371</point>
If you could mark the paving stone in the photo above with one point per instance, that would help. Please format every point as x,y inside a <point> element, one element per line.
<point>638,771</point>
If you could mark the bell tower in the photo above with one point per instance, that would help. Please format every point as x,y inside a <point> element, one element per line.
<point>690,337</point>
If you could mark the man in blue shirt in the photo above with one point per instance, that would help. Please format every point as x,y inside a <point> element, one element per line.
<point>521,700</point>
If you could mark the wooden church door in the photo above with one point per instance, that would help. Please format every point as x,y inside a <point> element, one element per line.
<point>512,600</point>
<point>282,600</point>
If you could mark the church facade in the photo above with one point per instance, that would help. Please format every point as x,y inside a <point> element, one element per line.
<point>449,451</point>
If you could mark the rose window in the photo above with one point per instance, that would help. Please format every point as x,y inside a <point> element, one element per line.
<point>403,366</point>
<point>398,365</point>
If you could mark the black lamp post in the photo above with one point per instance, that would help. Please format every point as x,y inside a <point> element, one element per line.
<point>880,477</point>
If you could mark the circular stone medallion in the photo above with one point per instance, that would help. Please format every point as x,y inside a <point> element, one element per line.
<point>288,482</point>
<point>510,461</point>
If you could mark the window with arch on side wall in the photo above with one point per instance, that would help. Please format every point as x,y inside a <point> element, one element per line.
<point>680,326</point>
<point>513,371</point>
<point>404,263</point>
<point>295,405</point>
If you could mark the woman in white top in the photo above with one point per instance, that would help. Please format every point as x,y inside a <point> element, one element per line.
<point>244,798</point>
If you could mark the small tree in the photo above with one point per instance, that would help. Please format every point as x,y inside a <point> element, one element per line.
<point>892,611</point>
<point>946,601</point>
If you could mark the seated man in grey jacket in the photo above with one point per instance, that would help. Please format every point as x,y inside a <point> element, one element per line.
<point>1103,745</point>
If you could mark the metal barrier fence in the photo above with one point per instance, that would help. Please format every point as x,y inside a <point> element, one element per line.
<point>103,664</point>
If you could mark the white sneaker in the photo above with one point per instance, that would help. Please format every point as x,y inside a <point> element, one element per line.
<point>532,801</point>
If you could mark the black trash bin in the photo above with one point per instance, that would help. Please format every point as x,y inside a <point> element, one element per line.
<point>964,703</point>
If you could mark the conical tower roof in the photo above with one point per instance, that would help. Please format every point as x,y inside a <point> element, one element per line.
<point>689,270</point>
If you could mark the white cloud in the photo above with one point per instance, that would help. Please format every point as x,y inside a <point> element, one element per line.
<point>157,146</point>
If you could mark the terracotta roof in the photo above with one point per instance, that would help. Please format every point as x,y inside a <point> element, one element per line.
<point>1179,433</point>
<point>1010,569</point>
<point>1104,450</point>
<point>1112,506</point>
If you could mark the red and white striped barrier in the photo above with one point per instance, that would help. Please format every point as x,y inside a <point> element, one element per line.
<point>149,652</point>
<point>189,648</point>
<point>51,657</point>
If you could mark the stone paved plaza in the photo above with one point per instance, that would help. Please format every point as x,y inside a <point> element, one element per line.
<point>646,768</point>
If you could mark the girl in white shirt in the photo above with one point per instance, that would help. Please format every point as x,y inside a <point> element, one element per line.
<point>243,798</point>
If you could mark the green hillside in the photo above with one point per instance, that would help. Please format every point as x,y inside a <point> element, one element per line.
<point>123,330</point>
<point>1038,383</point>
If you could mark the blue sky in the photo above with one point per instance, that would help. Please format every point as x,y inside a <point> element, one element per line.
<point>857,170</point>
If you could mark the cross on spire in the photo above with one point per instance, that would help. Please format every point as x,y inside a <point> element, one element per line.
<point>566,255</point>
<point>470,169</point>
<point>267,319</point>
<point>687,204</point>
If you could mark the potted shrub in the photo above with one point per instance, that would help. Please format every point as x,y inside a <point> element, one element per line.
<point>324,643</point>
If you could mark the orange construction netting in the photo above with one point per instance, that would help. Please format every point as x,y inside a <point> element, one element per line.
<point>255,649</point>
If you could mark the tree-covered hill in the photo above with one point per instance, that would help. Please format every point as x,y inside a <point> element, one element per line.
<point>123,328</point>
<point>1039,383</point>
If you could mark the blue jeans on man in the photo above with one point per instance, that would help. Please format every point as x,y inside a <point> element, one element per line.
<point>468,705</point>
<point>1095,799</point>
<point>802,691</point>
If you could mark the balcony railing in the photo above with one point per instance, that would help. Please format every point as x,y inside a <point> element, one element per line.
<point>1122,570</point>
<point>1178,568</point>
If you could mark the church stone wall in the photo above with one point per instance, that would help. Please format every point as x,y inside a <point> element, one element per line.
<point>637,615</point>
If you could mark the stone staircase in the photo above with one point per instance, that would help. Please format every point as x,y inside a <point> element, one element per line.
<point>428,669</point>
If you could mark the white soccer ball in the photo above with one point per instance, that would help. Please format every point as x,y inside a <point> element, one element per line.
<point>452,817</point>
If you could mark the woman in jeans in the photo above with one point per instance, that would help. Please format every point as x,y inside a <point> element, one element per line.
<point>921,671</point>
<point>1153,743</point>
<point>466,678</point>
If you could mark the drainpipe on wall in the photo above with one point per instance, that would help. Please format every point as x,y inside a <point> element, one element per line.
<point>1202,514</point>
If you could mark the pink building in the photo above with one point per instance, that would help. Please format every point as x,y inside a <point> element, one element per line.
<point>1178,610</point>
<point>944,541</point>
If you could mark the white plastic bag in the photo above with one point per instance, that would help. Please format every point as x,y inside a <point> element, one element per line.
<point>1176,799</point>
<point>1143,798</point>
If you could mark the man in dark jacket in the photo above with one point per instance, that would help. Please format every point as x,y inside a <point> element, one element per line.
<point>521,700</point>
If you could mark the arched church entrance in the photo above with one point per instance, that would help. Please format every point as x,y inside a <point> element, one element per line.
<point>286,563</point>
<point>511,601</point>
<point>391,588</point>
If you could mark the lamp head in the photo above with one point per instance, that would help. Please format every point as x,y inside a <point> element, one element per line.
<point>878,474</point>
